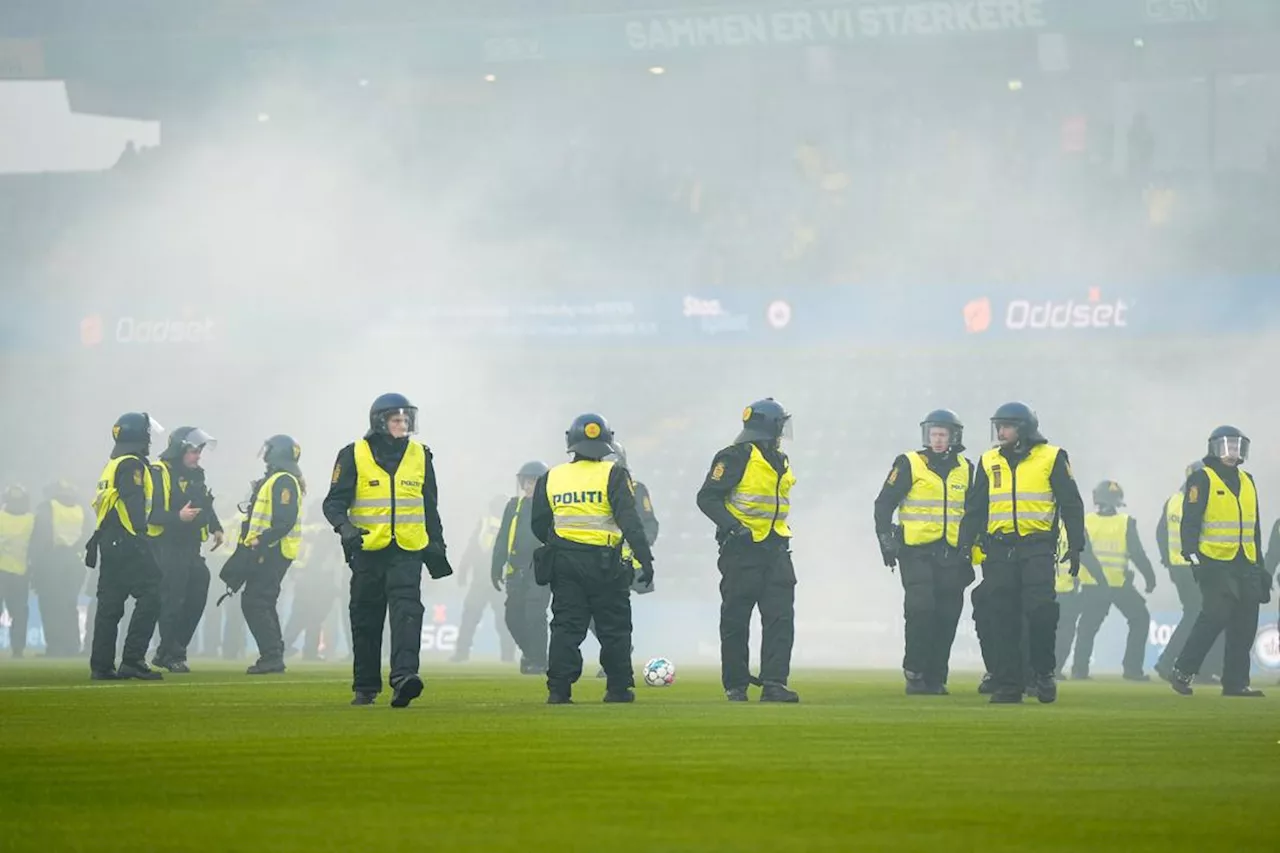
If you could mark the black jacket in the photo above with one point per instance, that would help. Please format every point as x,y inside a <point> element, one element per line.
<point>1066,495</point>
<point>621,498</point>
<point>644,506</point>
<point>187,485</point>
<point>521,555</point>
<point>1197,497</point>
<point>388,453</point>
<point>898,483</point>
<point>724,475</point>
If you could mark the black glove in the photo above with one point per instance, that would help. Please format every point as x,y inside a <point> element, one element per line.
<point>1191,557</point>
<point>736,536</point>
<point>889,549</point>
<point>1151,585</point>
<point>1073,558</point>
<point>433,557</point>
<point>646,573</point>
<point>496,580</point>
<point>351,535</point>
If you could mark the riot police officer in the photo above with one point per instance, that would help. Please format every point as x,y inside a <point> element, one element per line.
<point>1021,491</point>
<point>511,566</point>
<point>1169,541</point>
<point>182,519</point>
<point>583,510</point>
<point>927,488</point>
<point>17,522</point>
<point>747,493</point>
<point>123,505</point>
<point>474,574</point>
<point>1113,539</point>
<point>1221,538</point>
<point>383,503</point>
<point>61,528</point>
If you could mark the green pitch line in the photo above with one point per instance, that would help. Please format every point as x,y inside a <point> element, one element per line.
<point>219,761</point>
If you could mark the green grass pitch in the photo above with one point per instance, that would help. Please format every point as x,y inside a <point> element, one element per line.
<point>219,761</point>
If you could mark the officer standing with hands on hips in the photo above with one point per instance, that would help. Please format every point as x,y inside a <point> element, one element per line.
<point>383,502</point>
<point>583,510</point>
<point>1021,491</point>
<point>1222,539</point>
<point>747,493</point>
<point>927,488</point>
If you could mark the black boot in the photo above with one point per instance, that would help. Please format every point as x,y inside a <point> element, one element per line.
<point>624,695</point>
<point>1006,698</point>
<point>265,667</point>
<point>1180,682</point>
<point>364,698</point>
<point>104,675</point>
<point>1140,676</point>
<point>555,698</point>
<point>778,693</point>
<point>1247,692</point>
<point>736,694</point>
<point>915,683</point>
<point>987,686</point>
<point>408,689</point>
<point>138,670</point>
<point>1046,688</point>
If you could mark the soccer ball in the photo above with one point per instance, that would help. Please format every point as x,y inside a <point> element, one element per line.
<point>659,672</point>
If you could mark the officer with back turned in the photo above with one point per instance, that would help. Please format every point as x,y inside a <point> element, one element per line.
<point>583,510</point>
<point>927,488</point>
<point>62,526</point>
<point>123,505</point>
<point>747,493</point>
<point>1221,538</point>
<point>511,567</point>
<point>1021,491</point>
<point>383,503</point>
<point>17,522</point>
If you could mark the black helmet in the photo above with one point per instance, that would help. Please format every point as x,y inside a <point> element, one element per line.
<point>943,418</point>
<point>1227,442</point>
<point>1022,416</point>
<point>134,430</point>
<point>589,435</point>
<point>764,420</point>
<point>532,470</point>
<point>391,404</point>
<point>187,438</point>
<point>16,500</point>
<point>1108,494</point>
<point>281,452</point>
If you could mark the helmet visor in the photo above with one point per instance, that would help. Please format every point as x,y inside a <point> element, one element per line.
<point>399,422</point>
<point>155,430</point>
<point>997,426</point>
<point>788,432</point>
<point>198,439</point>
<point>928,429</point>
<point>1230,447</point>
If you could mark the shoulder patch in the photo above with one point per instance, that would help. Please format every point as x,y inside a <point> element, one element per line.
<point>893,475</point>
<point>718,471</point>
<point>337,474</point>
<point>1193,494</point>
<point>137,477</point>
<point>648,504</point>
<point>286,497</point>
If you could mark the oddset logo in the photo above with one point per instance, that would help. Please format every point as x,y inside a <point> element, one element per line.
<point>1092,312</point>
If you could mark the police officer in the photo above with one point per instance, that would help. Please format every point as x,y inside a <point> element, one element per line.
<point>747,493</point>
<point>61,529</point>
<point>583,510</point>
<point>1021,491</point>
<point>1113,539</point>
<point>1169,541</point>
<point>314,589</point>
<point>927,488</point>
<point>16,525</point>
<point>273,534</point>
<point>182,520</point>
<point>474,573</point>
<point>511,566</point>
<point>383,503</point>
<point>1066,588</point>
<point>1222,540</point>
<point>123,505</point>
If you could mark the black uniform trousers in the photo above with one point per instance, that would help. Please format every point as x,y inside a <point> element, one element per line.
<point>525,614</point>
<point>1096,603</point>
<point>126,569</point>
<point>184,589</point>
<point>932,601</point>
<point>758,575</point>
<point>259,601</point>
<point>385,583</point>
<point>1018,610</point>
<point>1070,605</point>
<point>14,597</point>
<point>481,596</point>
<point>1192,601</point>
<point>314,595</point>
<point>589,583</point>
<point>58,583</point>
<point>1230,608</point>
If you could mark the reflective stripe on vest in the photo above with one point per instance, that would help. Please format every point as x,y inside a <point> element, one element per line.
<point>1020,500</point>
<point>932,509</point>
<point>390,508</point>
<point>15,541</point>
<point>261,514</point>
<point>580,508</point>
<point>68,523</point>
<point>762,498</point>
<point>1109,539</point>
<point>1230,522</point>
<point>108,496</point>
<point>1173,526</point>
<point>509,570</point>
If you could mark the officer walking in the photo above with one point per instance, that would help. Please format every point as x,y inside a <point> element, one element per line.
<point>273,535</point>
<point>583,510</point>
<point>1021,491</point>
<point>747,493</point>
<point>1222,540</point>
<point>314,590</point>
<point>511,566</point>
<point>1169,541</point>
<point>927,488</point>
<point>474,573</point>
<point>123,505</point>
<point>16,525</point>
<point>61,529</point>
<point>383,503</point>
<point>1113,540</point>
<point>182,520</point>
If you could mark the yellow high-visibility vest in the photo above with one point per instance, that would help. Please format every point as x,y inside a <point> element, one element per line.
<point>1028,507</point>
<point>261,514</point>
<point>108,496</point>
<point>579,497</point>
<point>932,509</point>
<point>1109,538</point>
<point>15,541</point>
<point>67,522</point>
<point>762,498</point>
<point>1230,522</point>
<point>390,508</point>
<point>509,570</point>
<point>1173,524</point>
